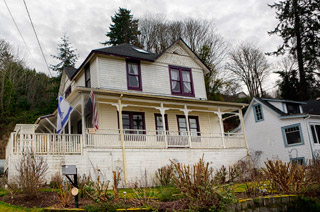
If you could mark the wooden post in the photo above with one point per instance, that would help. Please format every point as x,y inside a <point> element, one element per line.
<point>162,112</point>
<point>122,140</point>
<point>243,130</point>
<point>83,124</point>
<point>186,114</point>
<point>221,127</point>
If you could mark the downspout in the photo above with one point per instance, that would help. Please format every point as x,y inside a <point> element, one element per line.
<point>306,120</point>
<point>122,140</point>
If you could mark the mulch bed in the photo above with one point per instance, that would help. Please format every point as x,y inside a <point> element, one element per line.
<point>44,199</point>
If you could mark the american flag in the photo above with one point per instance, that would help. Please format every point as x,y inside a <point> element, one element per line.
<point>94,115</point>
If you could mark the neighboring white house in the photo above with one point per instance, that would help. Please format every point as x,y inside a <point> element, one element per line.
<point>283,130</point>
<point>151,108</point>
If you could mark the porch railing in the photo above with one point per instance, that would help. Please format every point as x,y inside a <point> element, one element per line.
<point>41,143</point>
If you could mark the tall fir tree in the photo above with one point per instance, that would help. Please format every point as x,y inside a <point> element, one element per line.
<point>124,29</point>
<point>66,55</point>
<point>299,26</point>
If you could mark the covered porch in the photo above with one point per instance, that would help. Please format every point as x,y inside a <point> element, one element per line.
<point>132,121</point>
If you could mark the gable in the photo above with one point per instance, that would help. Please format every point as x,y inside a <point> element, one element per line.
<point>180,54</point>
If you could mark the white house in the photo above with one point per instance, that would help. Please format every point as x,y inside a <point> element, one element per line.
<point>283,130</point>
<point>151,108</point>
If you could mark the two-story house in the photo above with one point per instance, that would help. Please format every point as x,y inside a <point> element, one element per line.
<point>283,130</point>
<point>151,108</point>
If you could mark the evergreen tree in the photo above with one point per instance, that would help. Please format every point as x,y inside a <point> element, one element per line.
<point>299,26</point>
<point>66,55</point>
<point>124,29</point>
<point>288,85</point>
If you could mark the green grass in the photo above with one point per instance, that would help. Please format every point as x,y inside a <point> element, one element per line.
<point>3,192</point>
<point>5,207</point>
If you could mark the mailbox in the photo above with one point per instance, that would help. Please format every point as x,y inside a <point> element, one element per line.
<point>69,169</point>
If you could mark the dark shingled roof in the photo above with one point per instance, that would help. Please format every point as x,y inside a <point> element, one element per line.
<point>127,50</point>
<point>312,107</point>
<point>70,71</point>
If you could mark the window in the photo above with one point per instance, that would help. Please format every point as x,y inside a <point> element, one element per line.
<point>68,91</point>
<point>133,122</point>
<point>315,130</point>
<point>299,161</point>
<point>293,108</point>
<point>258,114</point>
<point>181,81</point>
<point>193,125</point>
<point>159,122</point>
<point>134,75</point>
<point>292,135</point>
<point>87,76</point>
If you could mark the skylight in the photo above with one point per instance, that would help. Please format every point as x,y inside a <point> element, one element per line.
<point>141,50</point>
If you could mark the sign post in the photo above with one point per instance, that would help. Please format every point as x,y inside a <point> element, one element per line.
<point>72,170</point>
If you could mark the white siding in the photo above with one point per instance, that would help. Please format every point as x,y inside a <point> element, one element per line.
<point>154,76</point>
<point>266,136</point>
<point>94,73</point>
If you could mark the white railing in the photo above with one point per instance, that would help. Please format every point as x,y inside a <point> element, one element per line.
<point>41,143</point>
<point>110,138</point>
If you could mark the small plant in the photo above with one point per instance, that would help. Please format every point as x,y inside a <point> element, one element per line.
<point>98,190</point>
<point>221,175</point>
<point>164,175</point>
<point>31,173</point>
<point>197,185</point>
<point>64,194</point>
<point>116,181</point>
<point>56,181</point>
<point>82,182</point>
<point>285,177</point>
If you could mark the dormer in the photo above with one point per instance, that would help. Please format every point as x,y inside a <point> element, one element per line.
<point>177,71</point>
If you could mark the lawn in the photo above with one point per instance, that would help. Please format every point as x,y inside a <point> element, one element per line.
<point>5,207</point>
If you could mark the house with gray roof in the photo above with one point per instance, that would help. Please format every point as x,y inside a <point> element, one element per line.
<point>283,129</point>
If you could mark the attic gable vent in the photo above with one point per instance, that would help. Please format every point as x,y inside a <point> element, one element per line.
<point>141,50</point>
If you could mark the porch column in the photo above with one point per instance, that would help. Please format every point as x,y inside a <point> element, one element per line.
<point>186,114</point>
<point>219,114</point>
<point>119,109</point>
<point>243,130</point>
<point>83,123</point>
<point>163,111</point>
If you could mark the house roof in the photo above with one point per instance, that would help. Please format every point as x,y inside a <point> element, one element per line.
<point>312,107</point>
<point>127,50</point>
<point>275,109</point>
<point>70,71</point>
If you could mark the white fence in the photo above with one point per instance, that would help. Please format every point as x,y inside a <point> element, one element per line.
<point>42,143</point>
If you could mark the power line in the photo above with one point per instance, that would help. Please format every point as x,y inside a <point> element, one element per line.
<point>15,23</point>
<point>45,60</point>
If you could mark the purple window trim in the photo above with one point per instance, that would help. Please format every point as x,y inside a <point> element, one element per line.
<point>131,113</point>
<point>192,117</point>
<point>165,118</point>
<point>181,93</point>
<point>139,75</point>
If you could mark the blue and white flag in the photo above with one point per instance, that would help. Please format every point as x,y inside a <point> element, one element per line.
<point>64,111</point>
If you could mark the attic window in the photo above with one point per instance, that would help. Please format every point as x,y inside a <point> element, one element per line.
<point>293,108</point>
<point>141,50</point>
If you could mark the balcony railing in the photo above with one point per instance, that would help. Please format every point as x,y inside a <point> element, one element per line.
<point>42,143</point>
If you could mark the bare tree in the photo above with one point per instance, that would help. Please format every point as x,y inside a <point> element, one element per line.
<point>250,66</point>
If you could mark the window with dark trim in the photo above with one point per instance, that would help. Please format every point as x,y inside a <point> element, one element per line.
<point>315,130</point>
<point>299,160</point>
<point>133,122</point>
<point>193,125</point>
<point>258,114</point>
<point>293,108</point>
<point>181,81</point>
<point>292,135</point>
<point>68,91</point>
<point>87,76</point>
<point>159,122</point>
<point>134,75</point>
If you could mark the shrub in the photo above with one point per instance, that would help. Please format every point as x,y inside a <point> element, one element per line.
<point>64,194</point>
<point>31,173</point>
<point>313,171</point>
<point>285,177</point>
<point>164,175</point>
<point>56,181</point>
<point>196,183</point>
<point>98,190</point>
<point>221,175</point>
<point>116,181</point>
<point>82,182</point>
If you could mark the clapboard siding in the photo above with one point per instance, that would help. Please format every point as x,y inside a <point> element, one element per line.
<point>154,75</point>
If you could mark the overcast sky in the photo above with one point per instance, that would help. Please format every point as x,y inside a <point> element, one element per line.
<point>86,23</point>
